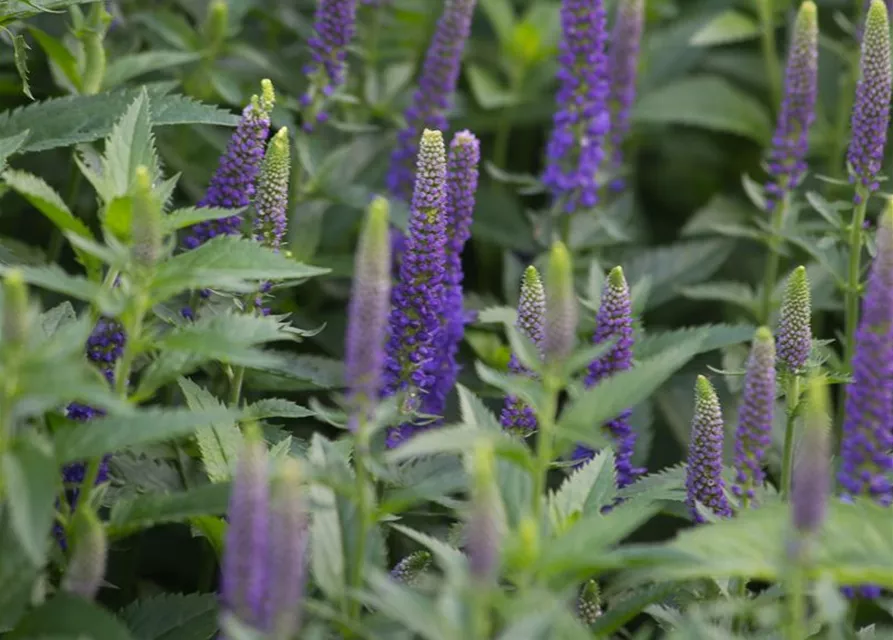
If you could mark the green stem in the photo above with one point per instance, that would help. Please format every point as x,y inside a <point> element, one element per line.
<point>361,450</point>
<point>544,446</point>
<point>792,393</point>
<point>770,54</point>
<point>481,614</point>
<point>773,259</point>
<point>235,391</point>
<point>796,601</point>
<point>854,273</point>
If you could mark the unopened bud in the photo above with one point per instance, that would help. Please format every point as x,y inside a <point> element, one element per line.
<point>16,310</point>
<point>146,224</point>
<point>86,566</point>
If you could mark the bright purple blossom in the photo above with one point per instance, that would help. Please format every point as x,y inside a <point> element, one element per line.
<point>434,96</point>
<point>581,121</point>
<point>794,340</point>
<point>614,322</point>
<point>787,158</point>
<point>417,299</point>
<point>755,415</point>
<point>516,415</point>
<point>871,111</point>
<point>704,482</point>
<point>233,184</point>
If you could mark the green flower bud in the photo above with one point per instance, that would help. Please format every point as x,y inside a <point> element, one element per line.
<point>86,566</point>
<point>147,232</point>
<point>561,305</point>
<point>16,308</point>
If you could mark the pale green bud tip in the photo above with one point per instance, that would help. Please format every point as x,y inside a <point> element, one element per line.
<point>377,218</point>
<point>532,276</point>
<point>483,462</point>
<point>817,411</point>
<point>431,138</point>
<point>14,280</point>
<point>86,567</point>
<point>704,390</point>
<point>877,16</point>
<point>764,335</point>
<point>143,179</point>
<point>808,15</point>
<point>289,473</point>
<point>268,95</point>
<point>886,219</point>
<point>616,279</point>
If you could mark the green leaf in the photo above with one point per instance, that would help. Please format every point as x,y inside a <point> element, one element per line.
<point>448,557</point>
<point>61,122</point>
<point>226,262</point>
<point>708,102</point>
<point>501,17</point>
<point>322,372</point>
<point>150,509</point>
<point>737,293</point>
<point>172,616</point>
<point>456,439</point>
<point>59,55</point>
<point>148,426</point>
<point>487,90</point>
<point>277,408</point>
<point>505,315</point>
<point>623,610</point>
<point>219,443</point>
<point>408,607</point>
<point>133,65</point>
<point>20,56</point>
<point>186,217</point>
<point>474,412</point>
<point>60,315</point>
<point>327,562</point>
<point>11,145</point>
<point>29,478</point>
<point>585,491</point>
<point>726,28</point>
<point>713,336</point>
<point>52,277</point>
<point>580,421</point>
<point>69,617</point>
<point>17,574</point>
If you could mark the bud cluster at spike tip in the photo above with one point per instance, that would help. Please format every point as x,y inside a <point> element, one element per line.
<point>589,603</point>
<point>866,448</point>
<point>411,568</point>
<point>614,322</point>
<point>233,183</point>
<point>414,324</point>
<point>334,26</point>
<point>367,315</point>
<point>871,110</point>
<point>811,482</point>
<point>462,181</point>
<point>623,65</point>
<point>703,481</point>
<point>434,95</point>
<point>516,415</point>
<point>575,149</point>
<point>271,201</point>
<point>265,550</point>
<point>794,339</point>
<point>790,143</point>
<point>755,415</point>
<point>561,306</point>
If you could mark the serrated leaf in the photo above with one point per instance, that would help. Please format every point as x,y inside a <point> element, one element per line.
<point>474,412</point>
<point>17,574</point>
<point>29,478</point>
<point>43,198</point>
<point>448,557</point>
<point>133,65</point>
<point>52,277</point>
<point>715,336</point>
<point>327,562</point>
<point>60,56</point>
<point>172,616</point>
<point>150,509</point>
<point>737,293</point>
<point>58,316</point>
<point>322,372</point>
<point>667,484</point>
<point>226,262</point>
<point>456,439</point>
<point>11,145</point>
<point>277,408</point>
<point>586,490</point>
<point>408,607</point>
<point>20,56</point>
<point>188,216</point>
<point>580,421</point>
<point>69,617</point>
<point>219,443</point>
<point>505,315</point>
<point>622,611</point>
<point>148,426</point>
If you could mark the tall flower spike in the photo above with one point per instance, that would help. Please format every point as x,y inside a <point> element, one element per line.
<point>623,65</point>
<point>462,181</point>
<point>581,121</point>
<point>703,482</point>
<point>614,322</point>
<point>755,414</point>
<point>245,571</point>
<point>289,536</point>
<point>334,26</point>
<point>367,316</point>
<point>866,448</point>
<point>516,415</point>
<point>787,157</point>
<point>561,306</point>
<point>434,95</point>
<point>794,340</point>
<point>811,484</point>
<point>232,186</point>
<point>871,110</point>
<point>416,301</point>
<point>271,202</point>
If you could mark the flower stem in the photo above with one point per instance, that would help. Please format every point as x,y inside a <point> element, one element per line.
<point>361,450</point>
<point>546,420</point>
<point>854,272</point>
<point>796,622</point>
<point>792,393</point>
<point>235,390</point>
<point>770,53</point>
<point>773,259</point>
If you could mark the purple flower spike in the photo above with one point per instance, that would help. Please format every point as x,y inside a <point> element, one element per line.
<point>755,414</point>
<point>581,121</point>
<point>245,572</point>
<point>866,448</point>
<point>516,415</point>
<point>871,111</point>
<point>794,341</point>
<point>232,186</point>
<point>367,318</point>
<point>614,322</point>
<point>811,484</point>
<point>623,66</point>
<point>417,299</point>
<point>787,158</point>
<point>703,482</point>
<point>462,181</point>
<point>334,26</point>
<point>434,96</point>
<point>271,202</point>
